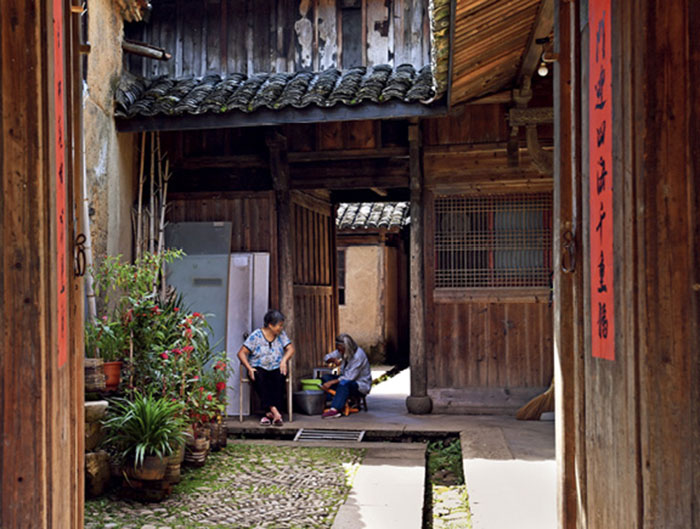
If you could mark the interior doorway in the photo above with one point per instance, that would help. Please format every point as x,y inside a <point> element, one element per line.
<point>372,270</point>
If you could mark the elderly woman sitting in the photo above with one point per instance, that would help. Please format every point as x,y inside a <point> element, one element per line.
<point>355,375</point>
<point>265,355</point>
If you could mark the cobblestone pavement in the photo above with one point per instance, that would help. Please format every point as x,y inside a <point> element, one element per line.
<point>244,486</point>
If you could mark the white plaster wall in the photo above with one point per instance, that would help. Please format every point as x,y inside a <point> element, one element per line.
<point>361,316</point>
<point>109,159</point>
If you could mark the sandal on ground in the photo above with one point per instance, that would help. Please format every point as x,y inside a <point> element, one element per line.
<point>278,422</point>
<point>265,421</point>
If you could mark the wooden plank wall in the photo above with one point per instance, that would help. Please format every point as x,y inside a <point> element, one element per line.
<point>41,394</point>
<point>252,36</point>
<point>251,213</point>
<point>502,339</point>
<point>315,301</point>
<point>497,345</point>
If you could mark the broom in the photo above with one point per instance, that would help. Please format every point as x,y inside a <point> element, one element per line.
<point>537,406</point>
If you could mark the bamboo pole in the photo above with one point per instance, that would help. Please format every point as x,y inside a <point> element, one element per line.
<point>161,231</point>
<point>151,215</point>
<point>139,211</point>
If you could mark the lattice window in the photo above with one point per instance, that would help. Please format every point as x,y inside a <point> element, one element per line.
<point>493,241</point>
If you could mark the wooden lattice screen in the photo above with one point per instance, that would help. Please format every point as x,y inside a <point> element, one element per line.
<point>493,241</point>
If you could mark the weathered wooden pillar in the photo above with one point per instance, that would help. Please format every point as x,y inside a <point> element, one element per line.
<point>279,169</point>
<point>41,392</point>
<point>568,266</point>
<point>418,402</point>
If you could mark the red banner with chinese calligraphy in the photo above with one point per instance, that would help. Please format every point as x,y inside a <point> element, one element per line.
<point>601,180</point>
<point>60,181</point>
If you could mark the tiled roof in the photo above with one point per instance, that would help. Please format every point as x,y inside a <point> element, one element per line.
<point>217,94</point>
<point>372,215</point>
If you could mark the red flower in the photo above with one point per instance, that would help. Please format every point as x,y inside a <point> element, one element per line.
<point>176,309</point>
<point>187,349</point>
<point>164,356</point>
<point>155,310</point>
<point>220,386</point>
<point>188,332</point>
<point>196,377</point>
<point>210,397</point>
<point>177,351</point>
<point>220,366</point>
<point>201,389</point>
<point>196,315</point>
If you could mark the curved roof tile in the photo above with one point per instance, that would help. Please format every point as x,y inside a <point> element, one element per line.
<point>217,94</point>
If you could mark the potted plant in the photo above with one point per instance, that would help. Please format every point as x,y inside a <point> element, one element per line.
<point>215,381</point>
<point>106,338</point>
<point>144,432</point>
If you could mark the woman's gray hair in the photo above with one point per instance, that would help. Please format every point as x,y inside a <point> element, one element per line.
<point>349,344</point>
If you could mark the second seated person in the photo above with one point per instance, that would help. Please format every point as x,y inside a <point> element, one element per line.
<point>355,375</point>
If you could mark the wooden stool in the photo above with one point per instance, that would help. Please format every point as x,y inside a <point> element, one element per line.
<point>354,404</point>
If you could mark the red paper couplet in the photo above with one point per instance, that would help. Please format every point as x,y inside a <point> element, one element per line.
<point>601,181</point>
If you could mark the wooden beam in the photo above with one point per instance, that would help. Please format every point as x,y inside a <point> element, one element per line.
<point>541,29</point>
<point>505,96</point>
<point>266,117</point>
<point>366,195</point>
<point>357,174</point>
<point>256,161</point>
<point>279,169</point>
<point>145,50</point>
<point>240,161</point>
<point>348,154</point>
<point>418,402</point>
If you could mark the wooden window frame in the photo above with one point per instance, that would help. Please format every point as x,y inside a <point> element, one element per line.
<point>523,292</point>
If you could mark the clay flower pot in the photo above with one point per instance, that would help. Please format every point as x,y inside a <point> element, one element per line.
<point>113,372</point>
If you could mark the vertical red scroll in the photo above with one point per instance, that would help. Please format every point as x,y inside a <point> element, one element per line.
<point>601,180</point>
<point>60,180</point>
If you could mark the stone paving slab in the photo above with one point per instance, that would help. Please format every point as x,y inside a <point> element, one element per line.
<point>387,491</point>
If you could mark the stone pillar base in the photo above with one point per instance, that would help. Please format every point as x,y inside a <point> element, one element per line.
<point>419,405</point>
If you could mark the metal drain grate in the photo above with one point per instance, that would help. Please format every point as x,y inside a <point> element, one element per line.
<point>308,434</point>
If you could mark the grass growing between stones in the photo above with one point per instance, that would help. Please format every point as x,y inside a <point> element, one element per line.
<point>243,486</point>
<point>447,501</point>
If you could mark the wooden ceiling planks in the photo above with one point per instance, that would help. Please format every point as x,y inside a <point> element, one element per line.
<point>490,39</point>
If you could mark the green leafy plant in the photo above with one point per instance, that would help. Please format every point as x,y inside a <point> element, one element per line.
<point>106,338</point>
<point>144,426</point>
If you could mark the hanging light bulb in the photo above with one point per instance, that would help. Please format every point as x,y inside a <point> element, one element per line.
<point>542,71</point>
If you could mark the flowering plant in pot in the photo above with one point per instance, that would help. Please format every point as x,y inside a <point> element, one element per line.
<point>121,287</point>
<point>215,380</point>
<point>107,339</point>
<point>143,432</point>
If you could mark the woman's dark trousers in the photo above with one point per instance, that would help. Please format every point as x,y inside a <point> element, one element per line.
<point>269,385</point>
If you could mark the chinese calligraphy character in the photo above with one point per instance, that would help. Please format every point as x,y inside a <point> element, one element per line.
<point>600,176</point>
<point>599,226</point>
<point>602,320</point>
<point>601,270</point>
<point>599,89</point>
<point>600,133</point>
<point>600,38</point>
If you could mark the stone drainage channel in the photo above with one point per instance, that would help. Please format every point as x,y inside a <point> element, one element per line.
<point>406,479</point>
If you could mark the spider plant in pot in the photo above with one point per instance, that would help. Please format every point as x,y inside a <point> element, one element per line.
<point>143,432</point>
